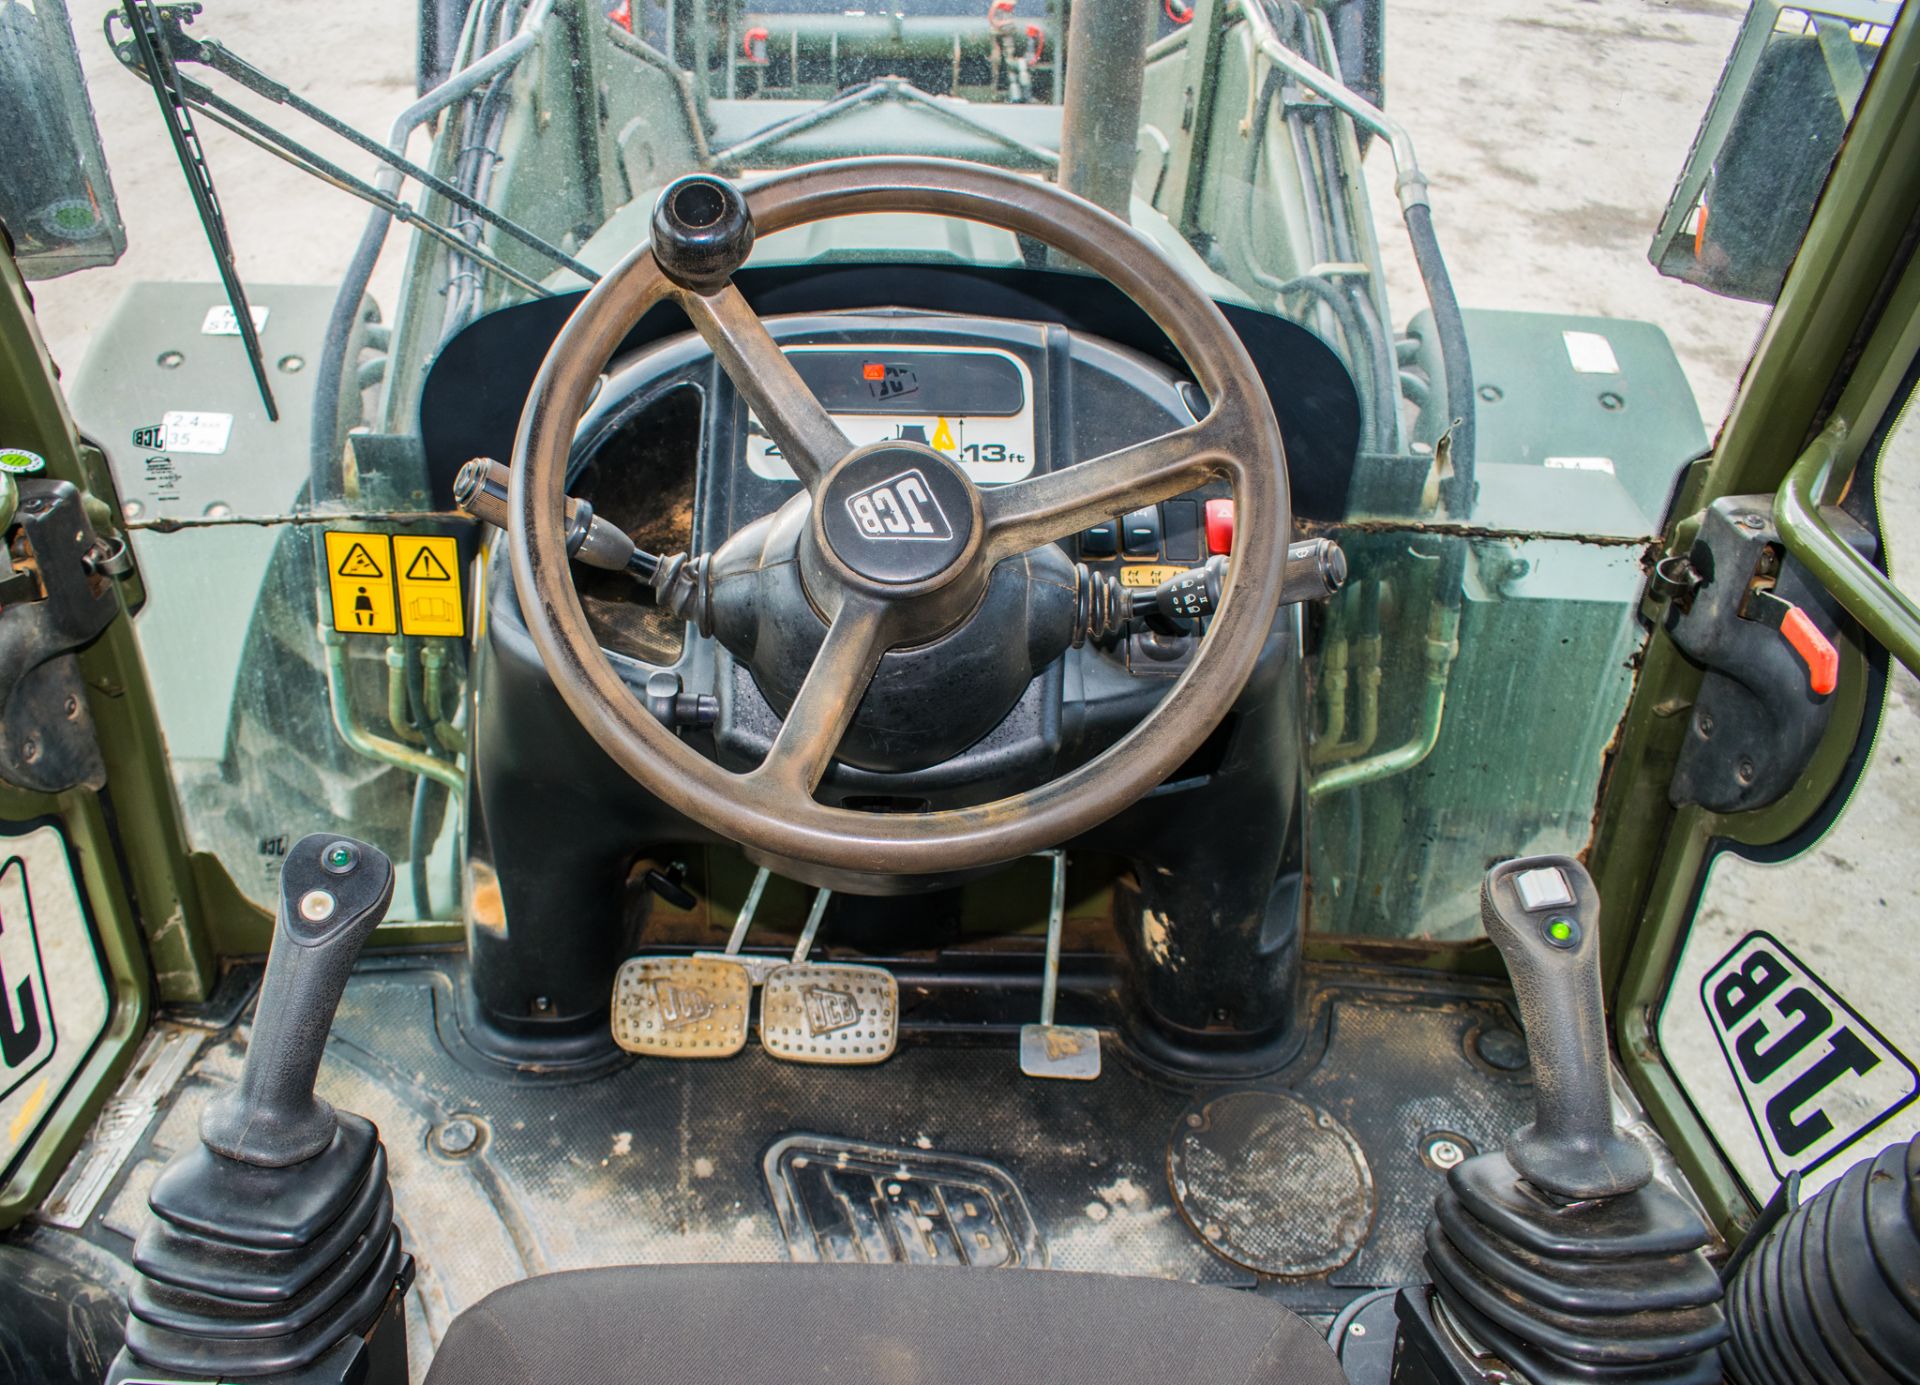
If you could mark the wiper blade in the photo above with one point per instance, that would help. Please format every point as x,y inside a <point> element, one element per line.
<point>217,56</point>
<point>164,77</point>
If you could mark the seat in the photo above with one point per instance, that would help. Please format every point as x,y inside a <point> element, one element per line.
<point>874,1325</point>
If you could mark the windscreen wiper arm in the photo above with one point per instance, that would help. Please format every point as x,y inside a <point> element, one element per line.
<point>217,56</point>
<point>164,77</point>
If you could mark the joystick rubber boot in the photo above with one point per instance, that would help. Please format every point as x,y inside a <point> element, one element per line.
<point>272,1252</point>
<point>1560,1255</point>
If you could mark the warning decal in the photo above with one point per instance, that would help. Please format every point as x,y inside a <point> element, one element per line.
<point>360,581</point>
<point>429,589</point>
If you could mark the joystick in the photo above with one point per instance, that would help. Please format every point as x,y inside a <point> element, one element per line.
<point>1560,1255</point>
<point>272,1252</point>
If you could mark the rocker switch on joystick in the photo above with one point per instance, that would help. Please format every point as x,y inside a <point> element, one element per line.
<point>272,1254</point>
<point>1560,1255</point>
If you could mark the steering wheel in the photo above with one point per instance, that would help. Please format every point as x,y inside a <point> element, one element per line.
<point>898,542</point>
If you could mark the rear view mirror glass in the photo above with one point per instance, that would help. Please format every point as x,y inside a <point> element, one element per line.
<point>1746,196</point>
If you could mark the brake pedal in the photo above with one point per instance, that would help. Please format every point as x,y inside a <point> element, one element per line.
<point>828,1012</point>
<point>681,1007</point>
<point>1057,1050</point>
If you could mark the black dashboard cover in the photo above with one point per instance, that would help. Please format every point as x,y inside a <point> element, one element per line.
<point>476,387</point>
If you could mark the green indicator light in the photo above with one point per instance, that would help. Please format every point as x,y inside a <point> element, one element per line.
<point>1560,931</point>
<point>340,856</point>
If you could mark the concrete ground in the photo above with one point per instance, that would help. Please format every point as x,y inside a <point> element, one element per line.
<point>1553,131</point>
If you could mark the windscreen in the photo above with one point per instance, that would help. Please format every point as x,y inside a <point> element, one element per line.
<point>1472,248</point>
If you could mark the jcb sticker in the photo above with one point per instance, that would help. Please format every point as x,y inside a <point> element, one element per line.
<point>1816,1077</point>
<point>360,581</point>
<point>427,569</point>
<point>27,1034</point>
<point>53,991</point>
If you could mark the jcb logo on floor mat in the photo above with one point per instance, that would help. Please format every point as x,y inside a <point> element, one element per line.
<point>900,507</point>
<point>1815,1077</point>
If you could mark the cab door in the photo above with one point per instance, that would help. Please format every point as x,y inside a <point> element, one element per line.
<point>1756,835</point>
<point>95,892</point>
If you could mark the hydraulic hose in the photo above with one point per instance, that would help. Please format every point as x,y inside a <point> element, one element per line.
<point>1451,330</point>
<point>324,435</point>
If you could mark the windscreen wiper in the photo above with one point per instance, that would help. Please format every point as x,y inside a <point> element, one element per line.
<point>215,55</point>
<point>157,60</point>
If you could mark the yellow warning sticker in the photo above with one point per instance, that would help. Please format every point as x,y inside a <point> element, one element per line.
<point>360,580</point>
<point>427,568</point>
<point>1148,574</point>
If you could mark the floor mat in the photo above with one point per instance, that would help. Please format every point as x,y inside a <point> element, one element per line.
<point>943,1152</point>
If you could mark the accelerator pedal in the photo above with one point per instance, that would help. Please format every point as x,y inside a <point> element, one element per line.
<point>681,1007</point>
<point>828,1012</point>
<point>1057,1050</point>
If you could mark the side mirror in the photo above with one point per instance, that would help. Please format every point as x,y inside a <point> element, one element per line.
<point>1746,196</point>
<point>56,202</point>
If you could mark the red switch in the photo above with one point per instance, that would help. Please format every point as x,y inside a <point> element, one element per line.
<point>1822,659</point>
<point>1220,526</point>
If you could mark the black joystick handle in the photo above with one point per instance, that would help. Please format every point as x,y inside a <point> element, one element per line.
<point>1543,913</point>
<point>333,892</point>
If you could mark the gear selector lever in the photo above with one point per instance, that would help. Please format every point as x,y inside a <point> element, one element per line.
<point>272,1252</point>
<point>1561,1255</point>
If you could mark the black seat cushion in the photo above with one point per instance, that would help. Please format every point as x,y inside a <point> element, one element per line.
<point>874,1325</point>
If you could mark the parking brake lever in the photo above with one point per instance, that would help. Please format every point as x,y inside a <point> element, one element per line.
<point>333,893</point>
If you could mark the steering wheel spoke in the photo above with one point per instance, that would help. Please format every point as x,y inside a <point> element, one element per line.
<point>824,706</point>
<point>809,440</point>
<point>1042,509</point>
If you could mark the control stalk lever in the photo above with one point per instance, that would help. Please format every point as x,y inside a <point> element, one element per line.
<point>333,893</point>
<point>1561,1255</point>
<point>481,490</point>
<point>272,1251</point>
<point>1543,913</point>
<point>1315,570</point>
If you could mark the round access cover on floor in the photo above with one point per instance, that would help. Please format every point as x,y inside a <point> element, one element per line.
<point>1272,1182</point>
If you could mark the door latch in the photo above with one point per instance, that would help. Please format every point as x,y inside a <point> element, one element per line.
<point>1768,635</point>
<point>56,596</point>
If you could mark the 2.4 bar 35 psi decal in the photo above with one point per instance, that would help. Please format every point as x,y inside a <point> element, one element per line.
<point>1816,1077</point>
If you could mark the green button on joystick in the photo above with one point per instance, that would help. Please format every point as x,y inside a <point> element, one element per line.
<point>1562,932</point>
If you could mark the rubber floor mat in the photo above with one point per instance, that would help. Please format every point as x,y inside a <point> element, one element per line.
<point>499,1175</point>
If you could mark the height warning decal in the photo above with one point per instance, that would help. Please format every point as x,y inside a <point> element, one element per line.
<point>405,584</point>
<point>360,580</point>
<point>429,586</point>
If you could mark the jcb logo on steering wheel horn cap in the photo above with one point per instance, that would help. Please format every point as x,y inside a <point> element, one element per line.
<point>900,507</point>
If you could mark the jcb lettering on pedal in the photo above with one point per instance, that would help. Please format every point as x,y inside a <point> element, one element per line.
<point>900,507</point>
<point>1815,1076</point>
